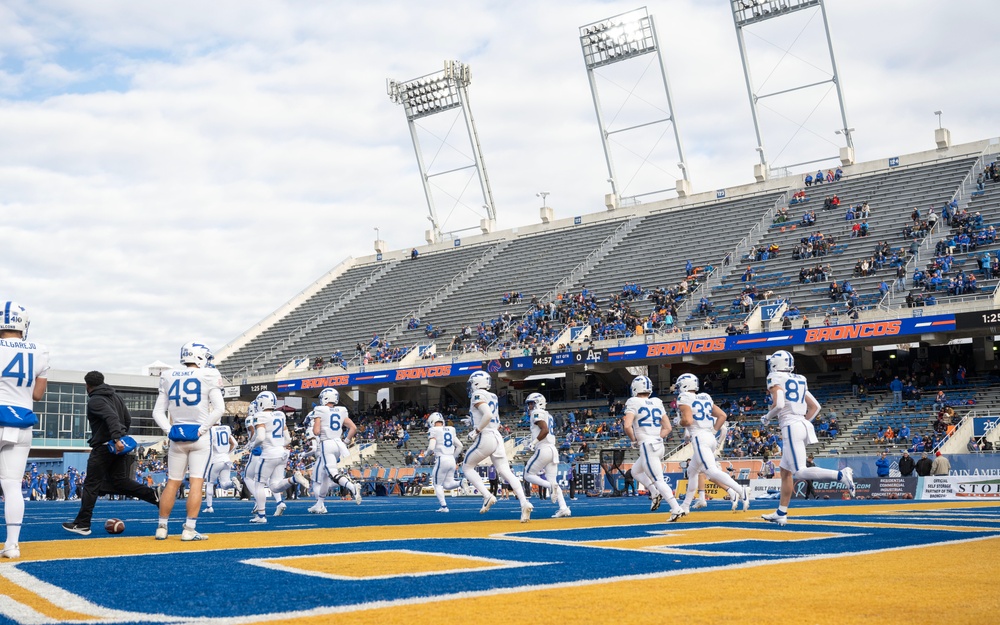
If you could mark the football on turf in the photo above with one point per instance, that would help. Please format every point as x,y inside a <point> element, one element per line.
<point>114,526</point>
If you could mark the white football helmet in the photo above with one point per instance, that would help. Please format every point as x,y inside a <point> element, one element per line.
<point>15,317</point>
<point>196,354</point>
<point>479,381</point>
<point>329,396</point>
<point>642,384</point>
<point>434,419</point>
<point>267,401</point>
<point>252,409</point>
<point>686,383</point>
<point>781,361</point>
<point>537,399</point>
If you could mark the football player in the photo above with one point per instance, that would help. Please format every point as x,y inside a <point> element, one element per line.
<point>25,367</point>
<point>220,466</point>
<point>794,407</point>
<point>646,426</point>
<point>329,422</point>
<point>702,420</point>
<point>488,443</point>
<point>273,438</point>
<point>546,457</point>
<point>444,443</point>
<point>188,405</point>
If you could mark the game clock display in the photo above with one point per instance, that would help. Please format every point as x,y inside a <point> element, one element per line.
<point>977,320</point>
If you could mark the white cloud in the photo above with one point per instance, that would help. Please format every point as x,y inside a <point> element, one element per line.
<point>177,171</point>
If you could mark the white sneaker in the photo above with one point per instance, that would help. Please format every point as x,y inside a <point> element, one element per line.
<point>736,502</point>
<point>260,518</point>
<point>357,496</point>
<point>12,552</point>
<point>209,510</point>
<point>563,512</point>
<point>699,504</point>
<point>677,514</point>
<point>189,533</point>
<point>317,508</point>
<point>685,509</point>
<point>746,498</point>
<point>774,517</point>
<point>487,504</point>
<point>280,509</point>
<point>301,479</point>
<point>161,532</point>
<point>657,500</point>
<point>847,474</point>
<point>526,513</point>
<point>443,509</point>
<point>554,494</point>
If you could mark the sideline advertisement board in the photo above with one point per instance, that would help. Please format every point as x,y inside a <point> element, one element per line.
<point>959,488</point>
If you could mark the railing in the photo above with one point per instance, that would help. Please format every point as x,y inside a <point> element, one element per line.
<point>277,346</point>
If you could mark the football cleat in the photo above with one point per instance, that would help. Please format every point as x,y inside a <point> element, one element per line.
<point>563,512</point>
<point>699,504</point>
<point>487,504</point>
<point>443,509</point>
<point>161,532</point>
<point>189,533</point>
<point>847,474</point>
<point>677,514</point>
<point>526,513</point>
<point>280,509</point>
<point>12,552</point>
<point>300,479</point>
<point>317,509</point>
<point>774,517</point>
<point>657,500</point>
<point>209,510</point>
<point>76,529</point>
<point>357,496</point>
<point>736,502</point>
<point>260,518</point>
<point>554,494</point>
<point>746,498</point>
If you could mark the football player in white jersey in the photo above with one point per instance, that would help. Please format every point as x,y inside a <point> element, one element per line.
<point>25,367</point>
<point>444,443</point>
<point>794,407</point>
<point>488,443</point>
<point>220,466</point>
<point>253,460</point>
<point>646,425</point>
<point>329,422</point>
<point>546,457</point>
<point>273,438</point>
<point>702,420</point>
<point>188,405</point>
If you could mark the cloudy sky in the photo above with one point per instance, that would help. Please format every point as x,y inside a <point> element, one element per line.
<point>176,171</point>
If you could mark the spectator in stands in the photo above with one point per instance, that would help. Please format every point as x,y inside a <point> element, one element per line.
<point>809,180</point>
<point>414,253</point>
<point>838,174</point>
<point>906,464</point>
<point>941,465</point>
<point>973,445</point>
<point>896,386</point>
<point>818,178</point>
<point>924,465</point>
<point>689,268</point>
<point>903,435</point>
<point>882,465</point>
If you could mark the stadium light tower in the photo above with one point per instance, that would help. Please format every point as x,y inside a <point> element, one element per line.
<point>435,93</point>
<point>621,38</point>
<point>748,13</point>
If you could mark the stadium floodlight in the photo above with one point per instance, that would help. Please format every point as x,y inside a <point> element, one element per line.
<point>435,93</point>
<point>621,38</point>
<point>938,113</point>
<point>543,195</point>
<point>747,13</point>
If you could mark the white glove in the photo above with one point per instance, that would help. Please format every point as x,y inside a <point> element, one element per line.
<point>635,444</point>
<point>764,420</point>
<point>677,421</point>
<point>473,434</point>
<point>531,445</point>
<point>202,431</point>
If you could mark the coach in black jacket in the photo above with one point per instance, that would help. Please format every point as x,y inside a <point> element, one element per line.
<point>109,421</point>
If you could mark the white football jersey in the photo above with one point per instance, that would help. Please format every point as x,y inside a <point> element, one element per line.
<point>795,388</point>
<point>187,393</point>
<point>221,436</point>
<point>331,421</point>
<point>445,438</point>
<point>492,407</point>
<point>542,416</point>
<point>649,414</point>
<point>701,405</point>
<point>21,362</point>
<point>274,431</point>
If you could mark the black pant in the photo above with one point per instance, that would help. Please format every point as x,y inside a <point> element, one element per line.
<point>107,472</point>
